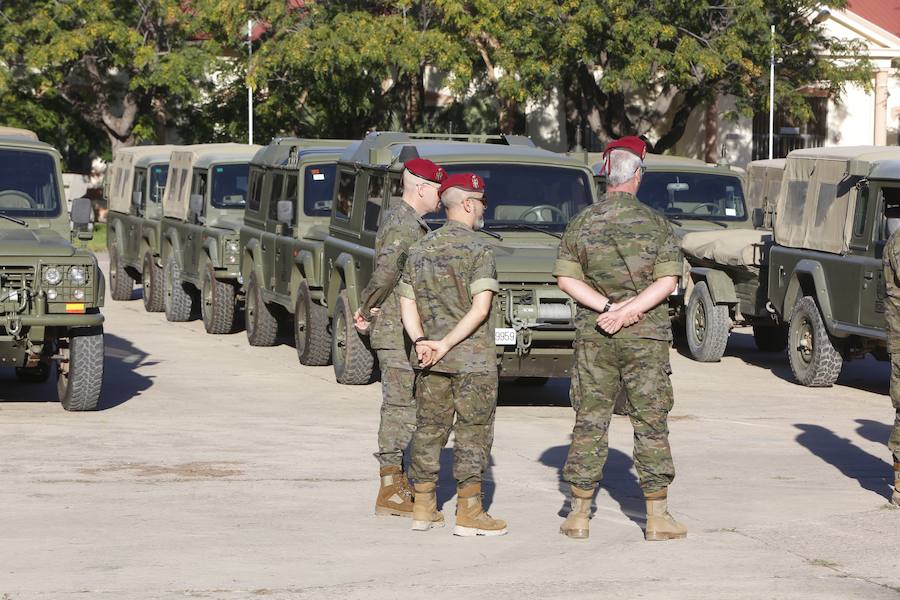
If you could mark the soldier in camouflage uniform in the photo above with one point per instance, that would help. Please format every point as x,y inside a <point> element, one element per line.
<point>892,316</point>
<point>400,227</point>
<point>447,289</point>
<point>620,260</point>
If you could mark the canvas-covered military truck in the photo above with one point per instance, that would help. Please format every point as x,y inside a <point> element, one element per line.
<point>726,286</point>
<point>532,195</point>
<point>134,187</point>
<point>203,208</point>
<point>50,291</point>
<point>282,242</point>
<point>694,196</point>
<point>825,269</point>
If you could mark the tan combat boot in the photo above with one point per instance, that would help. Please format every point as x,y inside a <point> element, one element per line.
<point>660,524</point>
<point>395,499</point>
<point>425,514</point>
<point>895,497</point>
<point>471,519</point>
<point>577,523</point>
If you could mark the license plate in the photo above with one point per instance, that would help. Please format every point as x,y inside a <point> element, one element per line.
<point>505,336</point>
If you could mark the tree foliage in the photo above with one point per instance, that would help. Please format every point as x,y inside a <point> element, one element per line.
<point>94,73</point>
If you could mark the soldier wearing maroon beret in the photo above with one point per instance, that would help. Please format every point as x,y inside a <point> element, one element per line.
<point>620,261</point>
<point>401,226</point>
<point>446,294</point>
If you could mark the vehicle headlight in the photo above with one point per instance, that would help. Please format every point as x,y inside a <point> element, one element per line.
<point>77,275</point>
<point>52,275</point>
<point>232,247</point>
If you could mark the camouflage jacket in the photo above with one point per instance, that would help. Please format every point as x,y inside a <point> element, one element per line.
<point>891,262</point>
<point>444,271</point>
<point>619,247</point>
<point>400,228</point>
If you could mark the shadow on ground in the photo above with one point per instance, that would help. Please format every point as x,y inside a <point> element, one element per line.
<point>865,374</point>
<point>121,381</point>
<point>870,472</point>
<point>619,480</point>
<point>534,392</point>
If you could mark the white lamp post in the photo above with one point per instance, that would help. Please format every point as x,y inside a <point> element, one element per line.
<point>250,90</point>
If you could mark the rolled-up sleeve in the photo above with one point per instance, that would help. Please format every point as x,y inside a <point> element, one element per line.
<point>669,259</point>
<point>484,276</point>
<point>568,263</point>
<point>404,286</point>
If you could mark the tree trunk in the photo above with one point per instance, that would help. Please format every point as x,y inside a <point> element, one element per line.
<point>711,139</point>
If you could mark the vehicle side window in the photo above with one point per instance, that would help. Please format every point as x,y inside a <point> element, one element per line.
<point>275,195</point>
<point>373,204</point>
<point>346,187</point>
<point>198,186</point>
<point>158,176</point>
<point>859,215</point>
<point>140,177</point>
<point>255,193</point>
<point>827,196</point>
<point>182,182</point>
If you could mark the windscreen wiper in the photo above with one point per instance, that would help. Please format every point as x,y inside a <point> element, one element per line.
<point>491,233</point>
<point>14,220</point>
<point>531,227</point>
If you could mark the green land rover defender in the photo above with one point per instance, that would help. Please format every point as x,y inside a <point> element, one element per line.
<point>50,291</point>
<point>283,241</point>
<point>203,208</point>
<point>533,195</point>
<point>135,184</point>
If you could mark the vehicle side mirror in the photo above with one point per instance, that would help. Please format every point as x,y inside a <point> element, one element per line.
<point>82,212</point>
<point>758,216</point>
<point>195,205</point>
<point>136,198</point>
<point>285,212</point>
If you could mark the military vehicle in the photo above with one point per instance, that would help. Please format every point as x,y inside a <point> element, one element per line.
<point>824,278</point>
<point>532,195</point>
<point>726,287</point>
<point>50,291</point>
<point>203,208</point>
<point>282,243</point>
<point>134,187</point>
<point>694,196</point>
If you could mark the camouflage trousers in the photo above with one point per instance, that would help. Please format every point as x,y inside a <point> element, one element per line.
<point>398,407</point>
<point>601,368</point>
<point>472,399</point>
<point>894,441</point>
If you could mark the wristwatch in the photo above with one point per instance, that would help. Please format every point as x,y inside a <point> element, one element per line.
<point>607,307</point>
<point>419,339</point>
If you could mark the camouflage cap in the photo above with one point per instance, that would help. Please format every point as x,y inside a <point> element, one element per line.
<point>469,182</point>
<point>424,168</point>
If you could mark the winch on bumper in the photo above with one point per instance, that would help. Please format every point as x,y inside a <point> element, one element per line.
<point>534,332</point>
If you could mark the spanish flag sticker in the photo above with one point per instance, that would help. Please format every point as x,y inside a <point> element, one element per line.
<point>75,307</point>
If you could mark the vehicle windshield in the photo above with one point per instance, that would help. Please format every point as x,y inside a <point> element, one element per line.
<point>158,176</point>
<point>318,187</point>
<point>694,195</point>
<point>229,185</point>
<point>521,196</point>
<point>28,184</point>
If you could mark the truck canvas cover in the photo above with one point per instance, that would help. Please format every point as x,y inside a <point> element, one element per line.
<point>763,183</point>
<point>818,195</point>
<point>201,156</point>
<point>120,174</point>
<point>735,247</point>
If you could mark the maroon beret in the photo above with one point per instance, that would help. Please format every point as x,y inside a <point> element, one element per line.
<point>632,143</point>
<point>469,182</point>
<point>424,168</point>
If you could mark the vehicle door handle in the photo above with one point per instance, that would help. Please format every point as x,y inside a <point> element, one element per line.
<point>869,276</point>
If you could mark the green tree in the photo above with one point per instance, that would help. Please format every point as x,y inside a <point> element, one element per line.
<point>100,73</point>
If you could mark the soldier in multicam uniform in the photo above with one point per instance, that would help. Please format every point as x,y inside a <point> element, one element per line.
<point>400,227</point>
<point>892,316</point>
<point>446,292</point>
<point>619,260</point>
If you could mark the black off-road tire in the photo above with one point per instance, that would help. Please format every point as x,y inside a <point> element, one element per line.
<point>78,386</point>
<point>217,303</point>
<point>154,291</point>
<point>38,374</point>
<point>120,282</point>
<point>311,336</point>
<point>771,338</point>
<point>707,325</point>
<point>354,362</point>
<point>261,324</point>
<point>176,297</point>
<point>814,360</point>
